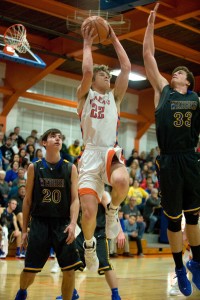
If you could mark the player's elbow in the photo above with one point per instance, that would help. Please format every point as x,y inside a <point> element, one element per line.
<point>126,68</point>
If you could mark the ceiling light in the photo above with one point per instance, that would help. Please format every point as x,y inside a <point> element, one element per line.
<point>132,76</point>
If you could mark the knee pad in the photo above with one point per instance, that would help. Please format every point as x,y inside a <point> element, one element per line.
<point>174,226</point>
<point>191,219</point>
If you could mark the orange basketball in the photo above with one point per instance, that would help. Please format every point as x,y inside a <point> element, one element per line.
<point>100,26</point>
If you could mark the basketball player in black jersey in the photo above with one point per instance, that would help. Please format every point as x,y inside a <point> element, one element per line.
<point>52,202</point>
<point>105,267</point>
<point>177,117</point>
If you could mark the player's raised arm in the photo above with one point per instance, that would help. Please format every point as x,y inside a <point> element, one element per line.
<point>121,83</point>
<point>156,79</point>
<point>87,67</point>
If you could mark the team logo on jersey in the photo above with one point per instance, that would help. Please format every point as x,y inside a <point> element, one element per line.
<point>192,105</point>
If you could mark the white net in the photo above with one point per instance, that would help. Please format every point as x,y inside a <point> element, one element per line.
<point>15,37</point>
<point>117,21</point>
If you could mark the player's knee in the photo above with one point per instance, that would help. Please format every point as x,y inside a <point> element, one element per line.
<point>121,183</point>
<point>88,214</point>
<point>174,226</point>
<point>191,219</point>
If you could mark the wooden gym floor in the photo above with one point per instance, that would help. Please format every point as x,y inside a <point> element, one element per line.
<point>138,278</point>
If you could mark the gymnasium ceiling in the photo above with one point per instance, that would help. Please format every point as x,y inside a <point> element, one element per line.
<point>177,32</point>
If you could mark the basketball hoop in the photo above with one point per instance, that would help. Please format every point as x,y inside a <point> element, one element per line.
<point>15,39</point>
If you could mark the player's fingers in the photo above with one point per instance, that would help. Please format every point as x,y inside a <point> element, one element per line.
<point>156,7</point>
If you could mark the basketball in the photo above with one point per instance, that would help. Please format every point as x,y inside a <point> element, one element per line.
<point>101,28</point>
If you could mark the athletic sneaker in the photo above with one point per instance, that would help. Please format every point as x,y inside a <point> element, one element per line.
<point>21,295</point>
<point>20,254</point>
<point>91,259</point>
<point>2,254</point>
<point>174,291</point>
<point>112,223</point>
<point>55,268</point>
<point>194,268</point>
<point>75,296</point>
<point>184,284</point>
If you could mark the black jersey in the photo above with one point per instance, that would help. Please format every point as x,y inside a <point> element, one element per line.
<point>7,219</point>
<point>177,120</point>
<point>52,190</point>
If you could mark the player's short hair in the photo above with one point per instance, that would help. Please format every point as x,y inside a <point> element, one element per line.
<point>101,68</point>
<point>50,131</point>
<point>12,199</point>
<point>190,76</point>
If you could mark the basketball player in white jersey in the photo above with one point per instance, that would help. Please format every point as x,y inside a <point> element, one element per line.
<point>101,162</point>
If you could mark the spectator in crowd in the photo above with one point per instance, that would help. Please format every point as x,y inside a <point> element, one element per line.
<point>139,194</point>
<point>13,137</point>
<point>4,188</point>
<point>132,231</point>
<point>34,133</point>
<point>135,171</point>
<point>16,157</point>
<point>134,155</point>
<point>22,154</point>
<point>64,153</point>
<point>152,210</point>
<point>14,189</point>
<point>20,175</point>
<point>19,138</point>
<point>30,152</point>
<point>131,209</point>
<point>30,140</point>
<point>25,164</point>
<point>74,150</point>
<point>8,219</point>
<point>149,188</point>
<point>38,155</point>
<point>12,174</point>
<point>146,181</point>
<point>151,156</point>
<point>40,146</point>
<point>7,153</point>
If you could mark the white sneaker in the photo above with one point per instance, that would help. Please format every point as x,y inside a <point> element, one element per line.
<point>174,291</point>
<point>91,259</point>
<point>112,223</point>
<point>3,255</point>
<point>55,268</point>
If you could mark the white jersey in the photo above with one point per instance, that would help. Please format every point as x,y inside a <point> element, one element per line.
<point>99,120</point>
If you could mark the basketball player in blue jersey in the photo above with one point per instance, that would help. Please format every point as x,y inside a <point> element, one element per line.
<point>177,127</point>
<point>102,161</point>
<point>52,202</point>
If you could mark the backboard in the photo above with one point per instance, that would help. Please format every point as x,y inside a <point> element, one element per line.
<point>28,58</point>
